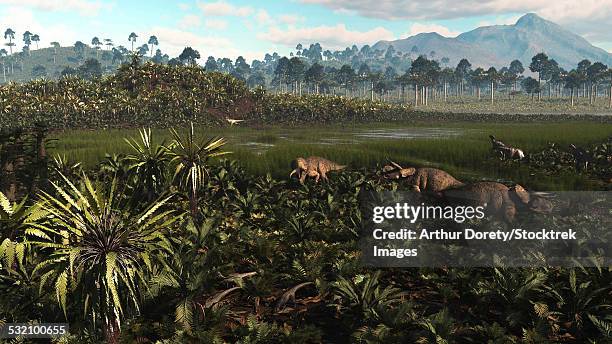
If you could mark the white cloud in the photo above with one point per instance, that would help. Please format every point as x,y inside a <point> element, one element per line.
<point>184,6</point>
<point>330,37</point>
<point>291,19</point>
<point>430,27</point>
<point>223,8</point>
<point>173,41</point>
<point>590,18</point>
<point>21,19</point>
<point>216,24</point>
<point>84,7</point>
<point>190,21</point>
<point>444,9</point>
<point>263,17</point>
<point>500,20</point>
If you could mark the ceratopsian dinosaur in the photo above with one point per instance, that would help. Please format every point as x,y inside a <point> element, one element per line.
<point>498,198</point>
<point>315,167</point>
<point>425,179</point>
<point>506,151</point>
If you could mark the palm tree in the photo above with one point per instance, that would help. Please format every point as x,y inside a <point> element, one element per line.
<point>100,250</point>
<point>10,35</point>
<point>36,39</point>
<point>153,42</point>
<point>191,159</point>
<point>132,38</point>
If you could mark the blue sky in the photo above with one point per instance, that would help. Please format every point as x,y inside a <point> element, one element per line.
<point>252,28</point>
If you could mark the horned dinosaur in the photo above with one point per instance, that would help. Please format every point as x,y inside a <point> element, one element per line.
<point>499,199</point>
<point>425,178</point>
<point>314,167</point>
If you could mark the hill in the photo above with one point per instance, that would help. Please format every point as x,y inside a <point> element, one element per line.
<point>498,45</point>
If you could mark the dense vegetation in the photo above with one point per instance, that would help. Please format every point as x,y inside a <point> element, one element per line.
<point>161,245</point>
<point>388,75</point>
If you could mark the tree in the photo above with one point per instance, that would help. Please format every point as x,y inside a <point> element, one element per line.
<point>516,69</point>
<point>241,68</point>
<point>3,55</point>
<point>95,42</point>
<point>27,39</point>
<point>296,73</point>
<point>573,80</point>
<point>36,39</point>
<point>478,76</point>
<point>90,69</point>
<point>132,38</point>
<point>10,35</point>
<point>538,65</point>
<point>189,56</point>
<point>143,50</point>
<point>595,73</point>
<point>315,76</point>
<point>281,72</point>
<point>531,86</point>
<point>109,43</point>
<point>345,77</point>
<point>462,71</point>
<point>79,48</point>
<point>493,77</point>
<point>153,42</point>
<point>211,64</point>
<point>39,71</point>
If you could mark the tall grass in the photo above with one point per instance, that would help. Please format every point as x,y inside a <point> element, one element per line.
<point>467,155</point>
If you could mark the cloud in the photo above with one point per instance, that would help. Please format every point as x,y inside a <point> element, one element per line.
<point>430,27</point>
<point>21,19</point>
<point>330,37</point>
<point>172,41</point>
<point>184,7</point>
<point>446,9</point>
<point>500,20</point>
<point>216,24</point>
<point>590,18</point>
<point>263,17</point>
<point>291,19</point>
<point>223,8</point>
<point>190,21</point>
<point>84,7</point>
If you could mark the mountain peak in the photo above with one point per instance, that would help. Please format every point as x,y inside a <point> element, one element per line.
<point>530,19</point>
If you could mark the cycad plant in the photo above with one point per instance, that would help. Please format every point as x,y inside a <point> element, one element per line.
<point>191,158</point>
<point>100,251</point>
<point>147,165</point>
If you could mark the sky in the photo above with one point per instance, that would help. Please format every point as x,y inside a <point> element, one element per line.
<point>230,28</point>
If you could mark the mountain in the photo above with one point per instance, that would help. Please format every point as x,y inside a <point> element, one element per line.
<point>498,45</point>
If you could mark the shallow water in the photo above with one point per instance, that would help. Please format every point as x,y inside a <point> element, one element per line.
<point>343,136</point>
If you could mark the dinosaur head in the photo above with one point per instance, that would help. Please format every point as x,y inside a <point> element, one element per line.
<point>298,165</point>
<point>397,172</point>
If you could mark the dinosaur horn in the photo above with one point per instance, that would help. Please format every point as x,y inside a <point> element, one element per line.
<point>395,164</point>
<point>293,172</point>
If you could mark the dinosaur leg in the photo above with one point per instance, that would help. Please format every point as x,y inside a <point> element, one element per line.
<point>324,176</point>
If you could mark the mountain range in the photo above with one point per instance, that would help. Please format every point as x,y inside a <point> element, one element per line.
<point>498,45</point>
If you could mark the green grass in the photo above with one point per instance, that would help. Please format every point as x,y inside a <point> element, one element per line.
<point>467,154</point>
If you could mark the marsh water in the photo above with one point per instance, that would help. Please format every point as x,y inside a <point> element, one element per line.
<point>462,148</point>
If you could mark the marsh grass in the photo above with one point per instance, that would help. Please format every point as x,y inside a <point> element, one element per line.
<point>465,154</point>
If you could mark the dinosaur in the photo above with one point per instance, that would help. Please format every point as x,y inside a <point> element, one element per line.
<point>425,178</point>
<point>506,151</point>
<point>499,199</point>
<point>582,157</point>
<point>314,167</point>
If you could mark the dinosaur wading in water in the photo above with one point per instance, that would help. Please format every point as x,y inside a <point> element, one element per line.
<point>314,167</point>
<point>424,179</point>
